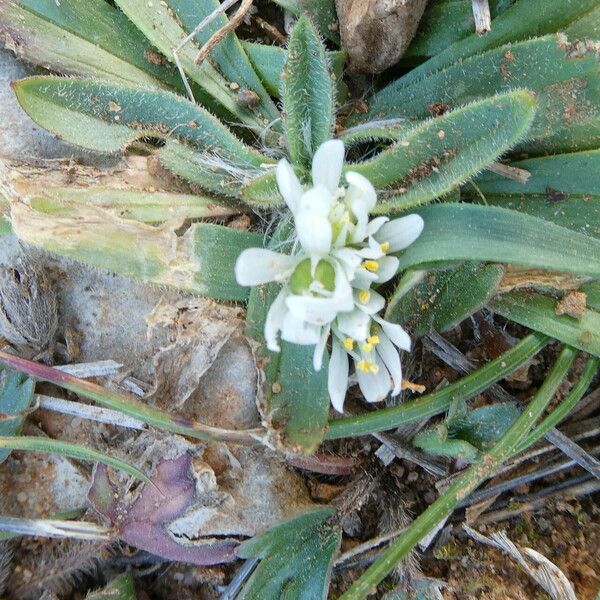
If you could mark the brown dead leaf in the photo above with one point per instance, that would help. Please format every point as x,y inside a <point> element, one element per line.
<point>187,337</point>
<point>572,304</point>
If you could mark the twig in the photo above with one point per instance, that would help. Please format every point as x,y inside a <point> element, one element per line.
<point>99,368</point>
<point>575,452</point>
<point>481,14</point>
<point>82,530</point>
<point>368,545</point>
<point>188,38</point>
<point>234,588</point>
<point>512,173</point>
<point>270,29</point>
<point>220,34</point>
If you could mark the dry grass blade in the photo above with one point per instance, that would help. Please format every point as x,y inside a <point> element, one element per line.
<point>481,14</point>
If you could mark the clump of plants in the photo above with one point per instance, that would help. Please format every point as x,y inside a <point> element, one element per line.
<point>469,182</point>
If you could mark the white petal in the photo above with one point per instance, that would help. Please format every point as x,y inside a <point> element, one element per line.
<point>349,259</point>
<point>299,332</point>
<point>360,191</point>
<point>320,349</point>
<point>363,279</point>
<point>354,324</point>
<point>391,359</point>
<point>374,305</point>
<point>401,233</point>
<point>274,321</point>
<point>374,386</point>
<point>375,225</point>
<point>317,200</point>
<point>288,184</point>
<point>327,164</point>
<point>318,311</point>
<point>397,335</point>
<point>337,379</point>
<point>373,251</point>
<point>255,266</point>
<point>314,233</point>
<point>388,267</point>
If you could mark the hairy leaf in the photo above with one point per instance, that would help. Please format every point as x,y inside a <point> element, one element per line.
<point>16,396</point>
<point>489,233</point>
<point>121,587</point>
<point>444,298</point>
<point>296,558</point>
<point>307,93</point>
<point>321,12</point>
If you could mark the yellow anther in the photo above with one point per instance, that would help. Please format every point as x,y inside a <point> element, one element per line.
<point>364,296</point>
<point>373,368</point>
<point>349,343</point>
<point>374,339</point>
<point>371,265</point>
<point>367,347</point>
<point>363,366</point>
<point>385,246</point>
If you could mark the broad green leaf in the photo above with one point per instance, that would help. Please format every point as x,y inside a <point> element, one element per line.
<point>555,179</point>
<point>485,425</point>
<point>121,587</point>
<point>161,26</point>
<point>437,155</point>
<point>296,400</point>
<point>592,291</point>
<point>200,261</point>
<point>229,55</point>
<point>523,20</point>
<point>490,233</point>
<point>50,446</point>
<point>147,207</point>
<point>538,312</point>
<point>445,22</point>
<point>16,396</point>
<point>565,80</point>
<point>307,93</point>
<point>587,26</point>
<point>321,12</point>
<point>269,63</point>
<point>89,38</point>
<point>433,441</point>
<point>296,558</point>
<point>444,298</point>
<point>107,117</point>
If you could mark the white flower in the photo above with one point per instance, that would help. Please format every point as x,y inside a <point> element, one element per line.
<point>327,280</point>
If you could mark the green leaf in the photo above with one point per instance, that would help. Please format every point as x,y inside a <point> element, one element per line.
<point>199,261</point>
<point>587,26</point>
<point>162,27</point>
<point>121,587</point>
<point>269,63</point>
<point>437,155</point>
<point>555,179</point>
<point>444,298</point>
<point>564,78</point>
<point>321,12</point>
<point>307,93</point>
<point>229,55</point>
<point>433,443</point>
<point>89,38</point>
<point>107,117</point>
<point>538,312</point>
<point>16,396</point>
<point>523,20</point>
<point>491,233</point>
<point>296,558</point>
<point>592,291</point>
<point>50,446</point>
<point>485,425</point>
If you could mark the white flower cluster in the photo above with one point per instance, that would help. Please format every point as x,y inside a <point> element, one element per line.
<point>328,279</point>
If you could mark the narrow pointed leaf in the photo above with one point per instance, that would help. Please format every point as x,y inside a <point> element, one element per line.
<point>321,12</point>
<point>445,298</point>
<point>296,558</point>
<point>437,155</point>
<point>121,587</point>
<point>308,94</point>
<point>490,233</point>
<point>538,312</point>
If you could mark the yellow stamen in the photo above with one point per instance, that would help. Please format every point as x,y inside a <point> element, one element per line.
<point>371,265</point>
<point>373,368</point>
<point>349,343</point>
<point>363,366</point>
<point>367,347</point>
<point>385,246</point>
<point>364,296</point>
<point>374,339</point>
